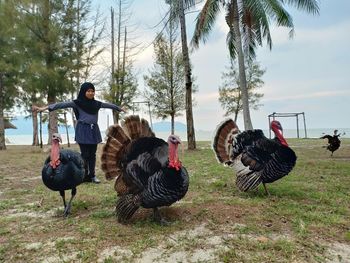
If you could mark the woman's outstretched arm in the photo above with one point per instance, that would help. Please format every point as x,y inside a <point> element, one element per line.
<point>39,109</point>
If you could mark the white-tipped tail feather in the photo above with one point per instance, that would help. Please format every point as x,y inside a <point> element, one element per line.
<point>222,142</point>
<point>118,138</point>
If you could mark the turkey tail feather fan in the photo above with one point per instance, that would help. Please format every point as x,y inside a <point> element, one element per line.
<point>132,126</point>
<point>146,131</point>
<point>147,169</point>
<point>224,135</point>
<point>136,128</point>
<point>113,150</point>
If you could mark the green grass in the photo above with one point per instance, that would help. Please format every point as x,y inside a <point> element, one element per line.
<point>306,213</point>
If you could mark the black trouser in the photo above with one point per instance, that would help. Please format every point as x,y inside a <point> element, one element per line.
<point>88,153</point>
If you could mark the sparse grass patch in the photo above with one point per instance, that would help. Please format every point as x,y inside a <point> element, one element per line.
<point>264,249</point>
<point>347,236</point>
<point>306,210</point>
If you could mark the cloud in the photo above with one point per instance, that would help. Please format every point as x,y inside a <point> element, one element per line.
<point>205,97</point>
<point>312,95</point>
<point>306,73</point>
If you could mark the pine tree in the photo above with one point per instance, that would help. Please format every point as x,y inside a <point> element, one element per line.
<point>123,85</point>
<point>166,91</point>
<point>9,63</point>
<point>230,94</point>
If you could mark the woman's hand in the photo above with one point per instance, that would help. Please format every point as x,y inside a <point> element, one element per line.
<point>39,109</point>
<point>123,109</point>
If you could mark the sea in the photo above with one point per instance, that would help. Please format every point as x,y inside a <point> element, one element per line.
<point>26,139</point>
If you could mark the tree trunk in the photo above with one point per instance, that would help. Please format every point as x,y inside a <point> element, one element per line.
<point>52,126</point>
<point>115,117</point>
<point>170,73</point>
<point>49,65</point>
<point>242,77</point>
<point>66,125</point>
<point>2,122</point>
<point>191,139</point>
<point>172,124</point>
<point>74,120</point>
<point>112,45</point>
<point>35,128</point>
<point>238,102</point>
<point>236,114</point>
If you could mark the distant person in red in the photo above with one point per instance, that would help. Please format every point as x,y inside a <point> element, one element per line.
<point>87,132</point>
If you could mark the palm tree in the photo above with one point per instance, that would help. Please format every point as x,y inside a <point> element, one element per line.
<point>177,11</point>
<point>248,22</point>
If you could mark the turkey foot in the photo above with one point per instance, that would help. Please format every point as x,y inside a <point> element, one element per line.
<point>67,210</point>
<point>69,205</point>
<point>158,218</point>
<point>266,191</point>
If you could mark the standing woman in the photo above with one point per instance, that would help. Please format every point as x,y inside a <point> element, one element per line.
<point>87,132</point>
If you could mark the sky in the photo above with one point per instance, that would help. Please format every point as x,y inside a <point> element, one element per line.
<point>309,73</point>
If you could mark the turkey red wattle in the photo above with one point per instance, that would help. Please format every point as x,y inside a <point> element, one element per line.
<point>55,154</point>
<point>174,161</point>
<point>277,129</point>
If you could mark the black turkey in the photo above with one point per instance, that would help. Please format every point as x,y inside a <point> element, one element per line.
<point>147,169</point>
<point>333,141</point>
<point>63,170</point>
<point>255,158</point>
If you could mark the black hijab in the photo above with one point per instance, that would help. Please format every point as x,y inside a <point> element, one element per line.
<point>89,106</point>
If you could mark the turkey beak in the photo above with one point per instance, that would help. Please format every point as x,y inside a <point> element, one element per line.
<point>281,129</point>
<point>57,137</point>
<point>178,140</point>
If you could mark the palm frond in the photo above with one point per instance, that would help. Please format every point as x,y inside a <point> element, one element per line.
<point>310,6</point>
<point>277,12</point>
<point>188,4</point>
<point>255,24</point>
<point>231,43</point>
<point>205,21</point>
<point>174,4</point>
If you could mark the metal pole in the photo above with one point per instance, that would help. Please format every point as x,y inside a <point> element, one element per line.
<point>297,124</point>
<point>273,117</point>
<point>304,125</point>
<point>268,127</point>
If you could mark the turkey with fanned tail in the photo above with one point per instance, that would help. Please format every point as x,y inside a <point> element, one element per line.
<point>255,158</point>
<point>147,169</point>
<point>333,141</point>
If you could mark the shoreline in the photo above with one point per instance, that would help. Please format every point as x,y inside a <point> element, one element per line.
<point>27,139</point>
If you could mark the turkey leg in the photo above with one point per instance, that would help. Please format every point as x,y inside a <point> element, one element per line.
<point>64,199</point>
<point>266,191</point>
<point>68,207</point>
<point>158,218</point>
